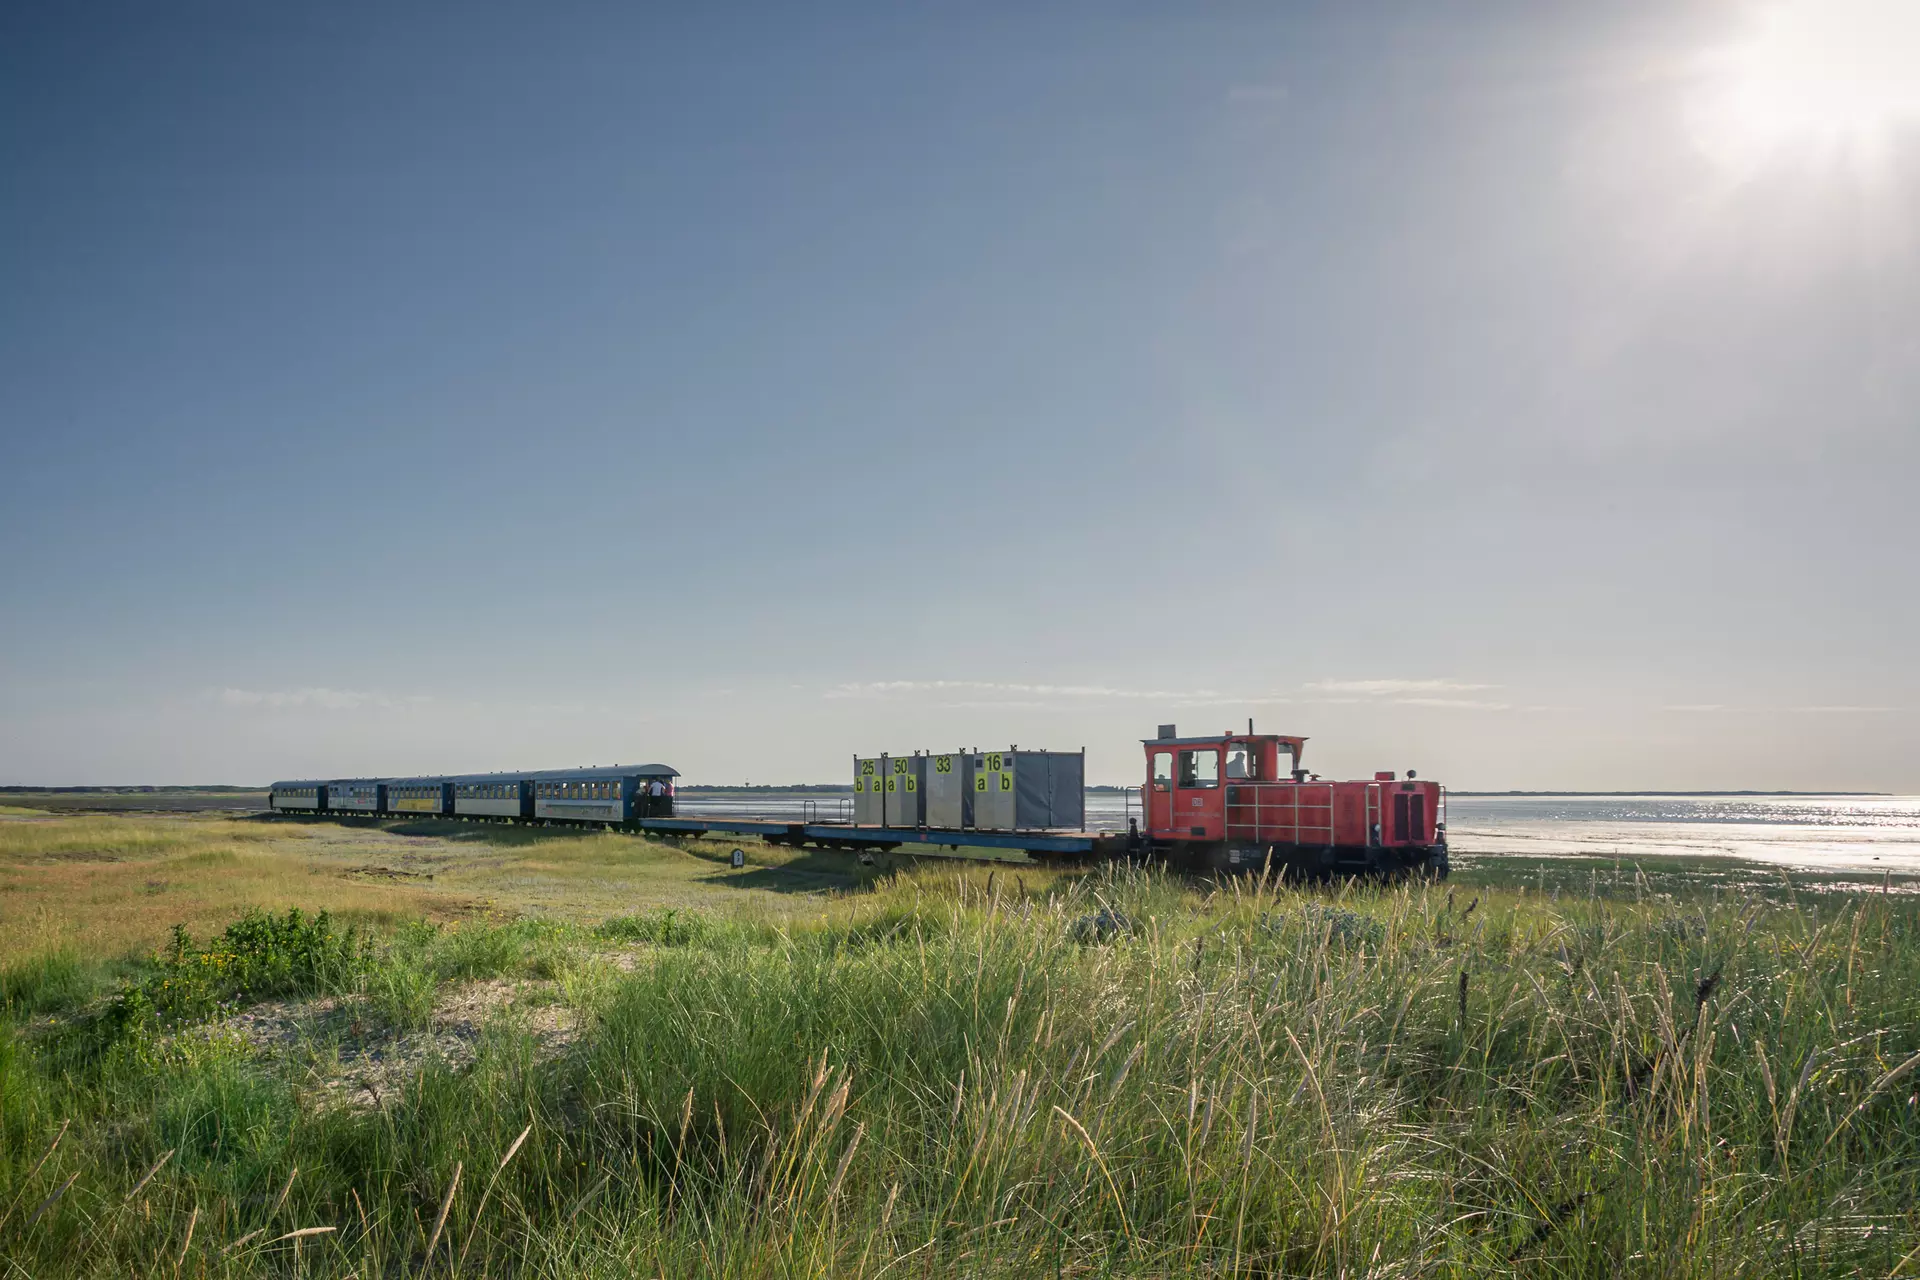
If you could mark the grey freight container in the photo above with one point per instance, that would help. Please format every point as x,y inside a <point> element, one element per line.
<point>904,794</point>
<point>868,810</point>
<point>1029,790</point>
<point>949,790</point>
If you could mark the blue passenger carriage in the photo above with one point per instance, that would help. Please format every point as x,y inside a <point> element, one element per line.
<point>620,793</point>
<point>356,795</point>
<point>492,795</point>
<point>419,795</point>
<point>308,796</point>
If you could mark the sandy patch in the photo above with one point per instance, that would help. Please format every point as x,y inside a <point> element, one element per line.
<point>361,1062</point>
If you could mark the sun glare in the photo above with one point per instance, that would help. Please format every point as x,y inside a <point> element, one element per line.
<point>1814,77</point>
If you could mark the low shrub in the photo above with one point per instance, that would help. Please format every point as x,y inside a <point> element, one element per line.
<point>258,955</point>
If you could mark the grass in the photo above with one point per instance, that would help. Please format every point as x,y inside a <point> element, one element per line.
<point>947,1069</point>
<point>132,800</point>
<point>109,886</point>
<point>113,885</point>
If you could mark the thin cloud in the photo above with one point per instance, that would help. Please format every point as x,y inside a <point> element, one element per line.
<point>313,696</point>
<point>1842,709</point>
<point>969,694</point>
<point>1395,687</point>
<point>889,688</point>
<point>1825,709</point>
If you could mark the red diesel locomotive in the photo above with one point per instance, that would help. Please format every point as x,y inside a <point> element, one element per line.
<point>1242,800</point>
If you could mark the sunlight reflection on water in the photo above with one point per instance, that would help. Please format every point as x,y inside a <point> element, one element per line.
<point>1823,833</point>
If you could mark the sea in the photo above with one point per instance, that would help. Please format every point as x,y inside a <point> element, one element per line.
<point>1848,834</point>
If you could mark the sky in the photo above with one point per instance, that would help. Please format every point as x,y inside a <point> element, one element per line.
<point>1526,394</point>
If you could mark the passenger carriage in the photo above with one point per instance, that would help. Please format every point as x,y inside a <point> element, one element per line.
<point>308,797</point>
<point>492,795</point>
<point>356,795</point>
<point>620,793</point>
<point>419,795</point>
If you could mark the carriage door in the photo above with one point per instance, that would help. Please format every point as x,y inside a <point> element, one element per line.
<point>1159,806</point>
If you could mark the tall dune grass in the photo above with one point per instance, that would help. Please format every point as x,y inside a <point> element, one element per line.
<point>956,1076</point>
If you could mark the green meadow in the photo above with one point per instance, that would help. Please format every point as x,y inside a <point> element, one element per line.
<point>394,1049</point>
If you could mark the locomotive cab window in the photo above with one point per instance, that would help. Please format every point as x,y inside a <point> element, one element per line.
<point>1241,762</point>
<point>1163,771</point>
<point>1199,769</point>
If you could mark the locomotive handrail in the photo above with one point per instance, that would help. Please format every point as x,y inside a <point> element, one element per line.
<point>1256,829</point>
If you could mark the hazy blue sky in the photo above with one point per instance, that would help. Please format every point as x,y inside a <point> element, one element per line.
<point>1529,394</point>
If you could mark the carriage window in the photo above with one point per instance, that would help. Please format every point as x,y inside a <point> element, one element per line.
<point>1200,768</point>
<point>1162,770</point>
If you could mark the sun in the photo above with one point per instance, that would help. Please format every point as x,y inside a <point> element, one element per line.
<point>1814,77</point>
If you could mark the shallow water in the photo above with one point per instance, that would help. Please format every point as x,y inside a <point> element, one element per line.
<point>1811,833</point>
